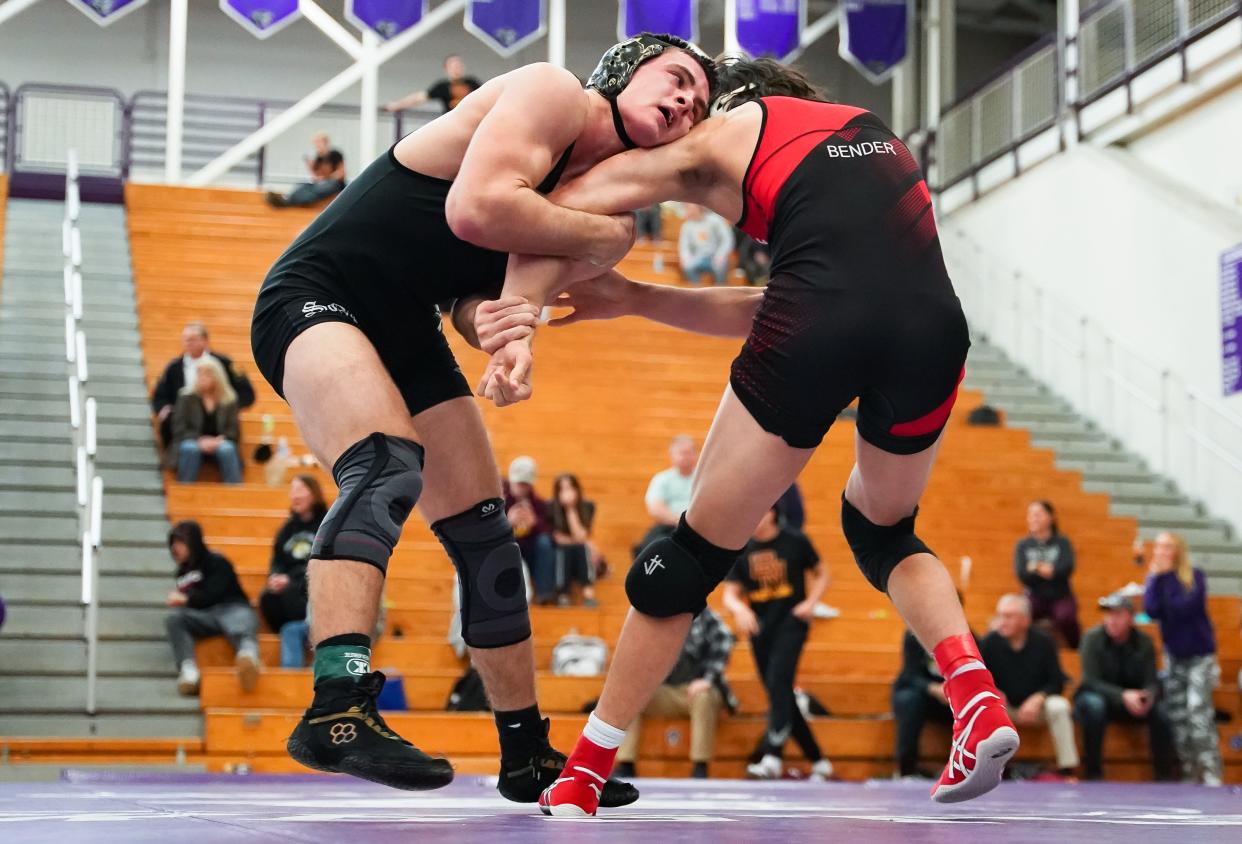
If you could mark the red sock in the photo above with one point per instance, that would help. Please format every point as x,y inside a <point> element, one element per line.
<point>955,651</point>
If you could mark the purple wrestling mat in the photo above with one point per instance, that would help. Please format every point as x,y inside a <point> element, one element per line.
<point>203,809</point>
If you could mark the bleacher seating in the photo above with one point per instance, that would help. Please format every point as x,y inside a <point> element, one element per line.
<point>608,397</point>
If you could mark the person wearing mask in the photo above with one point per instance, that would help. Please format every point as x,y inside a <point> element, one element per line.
<point>704,245</point>
<point>180,372</point>
<point>448,92</point>
<point>668,494</point>
<point>1176,598</point>
<point>1044,561</point>
<point>528,513</point>
<point>695,688</point>
<point>284,595</point>
<point>208,601</point>
<point>206,424</point>
<point>577,558</point>
<point>1119,683</point>
<point>1027,670</point>
<point>767,593</point>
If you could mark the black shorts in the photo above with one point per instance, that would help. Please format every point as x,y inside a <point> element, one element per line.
<point>410,344</point>
<point>811,352</point>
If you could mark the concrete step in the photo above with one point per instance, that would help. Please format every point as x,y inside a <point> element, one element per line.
<point>1198,538</point>
<point>1152,491</point>
<point>53,348</point>
<point>55,315</point>
<point>66,558</point>
<point>1068,428</point>
<point>66,588</point>
<point>108,412</point>
<point>42,386</point>
<point>119,334</point>
<point>65,622</point>
<point>1105,470</point>
<point>1094,449</point>
<point>112,296</point>
<point>60,656</point>
<point>117,504</point>
<point>1182,513</point>
<point>1222,561</point>
<point>56,368</point>
<point>64,529</point>
<point>151,725</point>
<point>44,478</point>
<point>113,694</point>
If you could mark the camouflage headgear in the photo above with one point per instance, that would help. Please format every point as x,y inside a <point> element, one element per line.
<point>620,62</point>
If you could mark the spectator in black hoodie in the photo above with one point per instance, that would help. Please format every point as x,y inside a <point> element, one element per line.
<point>284,596</point>
<point>207,601</point>
<point>1043,561</point>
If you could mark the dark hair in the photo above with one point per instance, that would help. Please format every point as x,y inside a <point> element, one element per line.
<point>556,512</point>
<point>745,80</point>
<point>1051,511</point>
<point>190,533</point>
<point>320,508</point>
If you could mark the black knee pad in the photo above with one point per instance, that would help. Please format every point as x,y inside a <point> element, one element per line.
<point>879,548</point>
<point>676,573</point>
<point>481,544</point>
<point>380,479</point>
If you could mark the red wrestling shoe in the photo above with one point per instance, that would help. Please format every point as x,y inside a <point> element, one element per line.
<point>576,793</point>
<point>984,739</point>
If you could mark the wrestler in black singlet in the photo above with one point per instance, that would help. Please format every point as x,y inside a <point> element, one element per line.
<point>383,258</point>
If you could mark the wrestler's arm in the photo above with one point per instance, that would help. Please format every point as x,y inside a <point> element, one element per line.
<point>493,202</point>
<point>715,311</point>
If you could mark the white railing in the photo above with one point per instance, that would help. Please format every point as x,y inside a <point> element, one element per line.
<point>83,419</point>
<point>1183,434</point>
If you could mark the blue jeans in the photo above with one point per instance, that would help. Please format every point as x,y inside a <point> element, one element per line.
<point>706,264</point>
<point>293,636</point>
<point>190,460</point>
<point>540,556</point>
<point>309,193</point>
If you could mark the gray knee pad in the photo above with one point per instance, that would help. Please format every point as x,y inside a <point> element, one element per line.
<point>676,573</point>
<point>380,479</point>
<point>481,544</point>
<point>879,548</point>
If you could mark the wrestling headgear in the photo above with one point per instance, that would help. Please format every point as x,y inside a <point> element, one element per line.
<point>620,62</point>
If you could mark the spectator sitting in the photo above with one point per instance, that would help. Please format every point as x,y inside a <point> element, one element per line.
<point>1176,597</point>
<point>1119,684</point>
<point>528,514</point>
<point>1044,561</point>
<point>577,558</point>
<point>791,509</point>
<point>327,171</point>
<point>205,423</point>
<point>1027,670</point>
<point>284,596</point>
<point>648,224</point>
<point>208,601</point>
<point>449,91</point>
<point>668,494</point>
<point>180,372</point>
<point>918,696</point>
<point>768,595</point>
<point>696,688</point>
<point>754,259</point>
<point>704,245</point>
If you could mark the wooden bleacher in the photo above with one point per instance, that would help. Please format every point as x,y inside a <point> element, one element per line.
<point>201,254</point>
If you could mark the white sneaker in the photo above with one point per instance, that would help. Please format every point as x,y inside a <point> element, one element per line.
<point>187,680</point>
<point>768,768</point>
<point>822,610</point>
<point>821,770</point>
<point>248,666</point>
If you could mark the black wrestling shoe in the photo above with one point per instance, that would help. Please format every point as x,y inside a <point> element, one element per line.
<point>524,776</point>
<point>343,733</point>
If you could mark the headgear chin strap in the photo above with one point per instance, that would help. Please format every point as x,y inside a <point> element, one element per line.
<point>620,62</point>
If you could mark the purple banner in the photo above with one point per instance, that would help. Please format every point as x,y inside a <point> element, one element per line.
<point>386,18</point>
<point>1231,319</point>
<point>770,27</point>
<point>506,25</point>
<point>263,18</point>
<point>676,17</point>
<point>105,12</point>
<point>873,36</point>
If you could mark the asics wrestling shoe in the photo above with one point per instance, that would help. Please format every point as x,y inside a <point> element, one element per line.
<point>984,739</point>
<point>343,733</point>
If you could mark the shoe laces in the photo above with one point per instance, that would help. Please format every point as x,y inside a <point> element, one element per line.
<point>363,695</point>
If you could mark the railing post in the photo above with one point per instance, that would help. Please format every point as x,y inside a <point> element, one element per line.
<point>261,158</point>
<point>1182,8</point>
<point>1084,351</point>
<point>1127,34</point>
<point>1165,460</point>
<point>1015,118</point>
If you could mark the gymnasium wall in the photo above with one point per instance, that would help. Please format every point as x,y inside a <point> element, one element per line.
<point>1119,238</point>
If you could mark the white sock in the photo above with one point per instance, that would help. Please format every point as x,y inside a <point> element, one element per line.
<point>603,734</point>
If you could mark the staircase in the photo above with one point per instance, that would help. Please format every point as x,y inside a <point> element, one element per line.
<point>42,651</point>
<point>1132,488</point>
